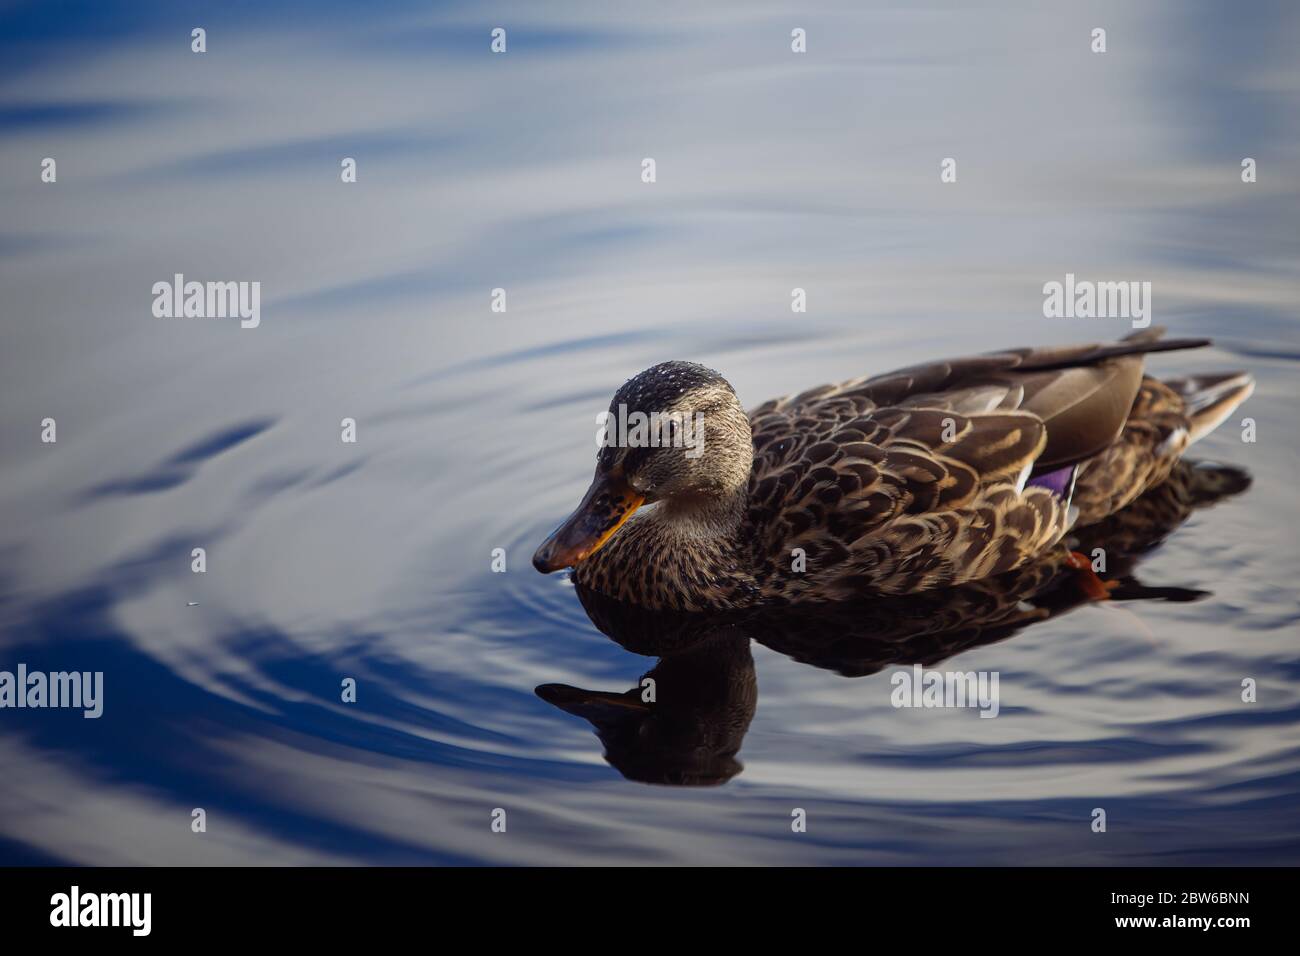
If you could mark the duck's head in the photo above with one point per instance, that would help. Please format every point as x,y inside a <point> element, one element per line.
<point>674,434</point>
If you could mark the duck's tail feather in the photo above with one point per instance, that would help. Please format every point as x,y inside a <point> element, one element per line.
<point>1142,342</point>
<point>1211,398</point>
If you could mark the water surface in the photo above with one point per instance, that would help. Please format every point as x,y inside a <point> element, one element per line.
<point>475,429</point>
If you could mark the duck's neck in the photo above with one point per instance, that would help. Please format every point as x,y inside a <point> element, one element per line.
<point>702,519</point>
<point>681,553</point>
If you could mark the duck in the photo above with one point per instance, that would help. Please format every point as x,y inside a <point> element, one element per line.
<point>930,476</point>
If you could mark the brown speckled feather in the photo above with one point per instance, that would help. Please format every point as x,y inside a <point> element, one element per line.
<point>916,479</point>
<point>878,500</point>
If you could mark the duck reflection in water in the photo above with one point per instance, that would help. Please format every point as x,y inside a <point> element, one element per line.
<point>687,727</point>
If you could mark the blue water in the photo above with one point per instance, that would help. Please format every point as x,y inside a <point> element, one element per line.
<point>475,429</point>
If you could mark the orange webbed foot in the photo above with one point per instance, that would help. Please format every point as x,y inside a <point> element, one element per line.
<point>1092,586</point>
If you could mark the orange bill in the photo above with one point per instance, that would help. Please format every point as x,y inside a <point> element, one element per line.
<point>607,504</point>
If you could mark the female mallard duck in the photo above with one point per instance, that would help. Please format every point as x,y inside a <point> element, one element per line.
<point>926,477</point>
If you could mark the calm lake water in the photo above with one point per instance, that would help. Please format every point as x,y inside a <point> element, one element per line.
<point>475,429</point>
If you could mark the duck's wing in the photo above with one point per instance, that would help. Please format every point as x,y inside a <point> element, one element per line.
<point>1081,393</point>
<point>894,498</point>
<point>917,478</point>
